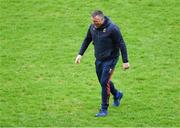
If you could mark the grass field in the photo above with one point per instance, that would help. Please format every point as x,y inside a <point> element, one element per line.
<point>41,86</point>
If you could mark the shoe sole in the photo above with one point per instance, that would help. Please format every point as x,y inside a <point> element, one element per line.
<point>101,116</point>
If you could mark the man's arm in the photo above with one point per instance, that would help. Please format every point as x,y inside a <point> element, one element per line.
<point>84,46</point>
<point>86,42</point>
<point>119,42</point>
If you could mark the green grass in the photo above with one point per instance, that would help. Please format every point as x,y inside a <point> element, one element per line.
<point>41,86</point>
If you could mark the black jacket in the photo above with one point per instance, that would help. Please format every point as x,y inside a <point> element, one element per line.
<point>107,41</point>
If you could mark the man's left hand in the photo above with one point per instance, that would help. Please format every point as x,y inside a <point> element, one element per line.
<point>126,66</point>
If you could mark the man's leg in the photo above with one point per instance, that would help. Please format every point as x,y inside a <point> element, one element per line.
<point>102,112</point>
<point>117,96</point>
<point>110,66</point>
<point>103,77</point>
<point>113,89</point>
<point>98,65</point>
<point>106,84</point>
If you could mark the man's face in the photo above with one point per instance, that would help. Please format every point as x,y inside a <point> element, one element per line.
<point>97,21</point>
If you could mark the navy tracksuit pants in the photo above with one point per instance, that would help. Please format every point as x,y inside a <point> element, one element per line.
<point>104,71</point>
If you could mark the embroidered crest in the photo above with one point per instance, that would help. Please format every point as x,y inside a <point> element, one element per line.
<point>104,30</point>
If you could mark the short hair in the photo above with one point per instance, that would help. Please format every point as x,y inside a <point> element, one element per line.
<point>97,13</point>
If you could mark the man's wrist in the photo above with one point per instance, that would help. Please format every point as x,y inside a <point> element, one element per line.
<point>125,61</point>
<point>80,53</point>
<point>79,56</point>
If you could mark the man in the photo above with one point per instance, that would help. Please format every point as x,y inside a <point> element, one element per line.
<point>107,41</point>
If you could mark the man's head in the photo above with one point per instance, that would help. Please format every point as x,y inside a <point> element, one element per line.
<point>97,18</point>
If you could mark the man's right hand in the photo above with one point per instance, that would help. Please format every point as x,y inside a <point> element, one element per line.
<point>78,59</point>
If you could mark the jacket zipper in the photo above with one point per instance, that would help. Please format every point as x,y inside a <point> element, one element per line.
<point>98,35</point>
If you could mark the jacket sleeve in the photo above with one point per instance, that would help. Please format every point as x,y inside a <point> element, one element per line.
<point>86,42</point>
<point>119,43</point>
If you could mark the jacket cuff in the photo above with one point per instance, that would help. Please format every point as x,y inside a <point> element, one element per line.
<point>125,61</point>
<point>80,53</point>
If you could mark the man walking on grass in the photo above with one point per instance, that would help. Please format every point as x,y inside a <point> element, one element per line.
<point>108,42</point>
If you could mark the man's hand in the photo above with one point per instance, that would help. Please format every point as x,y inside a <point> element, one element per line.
<point>78,59</point>
<point>125,66</point>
